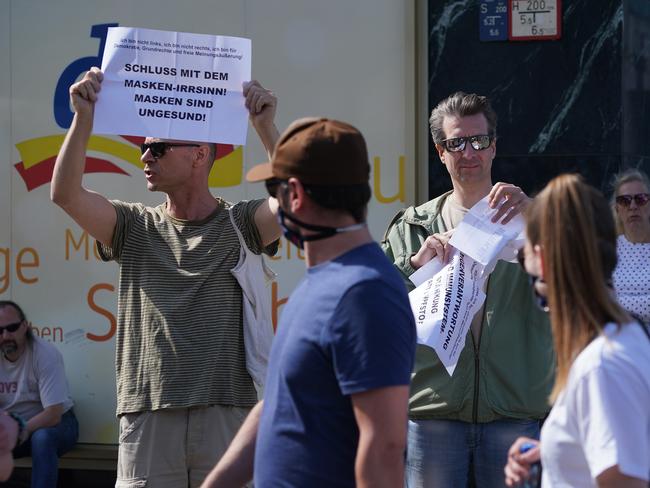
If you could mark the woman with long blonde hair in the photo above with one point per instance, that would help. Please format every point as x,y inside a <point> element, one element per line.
<point>598,432</point>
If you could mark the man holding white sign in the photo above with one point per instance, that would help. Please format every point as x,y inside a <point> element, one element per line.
<point>503,376</point>
<point>182,385</point>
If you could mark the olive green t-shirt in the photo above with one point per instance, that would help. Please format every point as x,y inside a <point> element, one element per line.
<point>179,340</point>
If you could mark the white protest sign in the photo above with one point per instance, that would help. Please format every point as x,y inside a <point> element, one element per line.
<point>484,240</point>
<point>445,304</point>
<point>174,85</point>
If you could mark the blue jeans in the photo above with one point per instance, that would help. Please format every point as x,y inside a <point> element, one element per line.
<point>45,446</point>
<point>441,452</point>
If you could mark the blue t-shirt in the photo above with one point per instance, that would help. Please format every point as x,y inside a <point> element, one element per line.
<point>347,328</point>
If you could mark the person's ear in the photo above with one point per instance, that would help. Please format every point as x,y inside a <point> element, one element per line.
<point>201,156</point>
<point>296,194</point>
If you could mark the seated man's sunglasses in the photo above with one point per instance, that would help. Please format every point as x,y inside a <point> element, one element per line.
<point>11,327</point>
<point>158,149</point>
<point>457,144</point>
<point>639,198</point>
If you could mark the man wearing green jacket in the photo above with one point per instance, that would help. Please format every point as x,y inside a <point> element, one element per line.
<point>461,426</point>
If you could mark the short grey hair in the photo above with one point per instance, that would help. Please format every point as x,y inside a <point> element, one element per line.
<point>461,104</point>
<point>628,175</point>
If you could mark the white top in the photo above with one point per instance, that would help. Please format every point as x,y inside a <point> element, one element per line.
<point>35,381</point>
<point>602,418</point>
<point>632,277</point>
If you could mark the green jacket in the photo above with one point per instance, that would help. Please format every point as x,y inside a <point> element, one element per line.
<point>509,373</point>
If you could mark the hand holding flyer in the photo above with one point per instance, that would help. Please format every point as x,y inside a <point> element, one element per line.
<point>445,304</point>
<point>447,297</point>
<point>483,239</point>
<point>174,85</point>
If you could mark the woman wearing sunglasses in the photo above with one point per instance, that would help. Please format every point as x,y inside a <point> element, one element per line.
<point>598,432</point>
<point>632,213</point>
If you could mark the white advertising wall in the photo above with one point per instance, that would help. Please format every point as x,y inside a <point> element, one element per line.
<point>353,61</point>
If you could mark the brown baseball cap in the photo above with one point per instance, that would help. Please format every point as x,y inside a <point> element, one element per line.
<point>317,151</point>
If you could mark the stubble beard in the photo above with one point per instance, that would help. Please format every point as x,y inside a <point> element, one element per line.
<point>9,347</point>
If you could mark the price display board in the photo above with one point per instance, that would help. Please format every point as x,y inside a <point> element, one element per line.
<point>535,20</point>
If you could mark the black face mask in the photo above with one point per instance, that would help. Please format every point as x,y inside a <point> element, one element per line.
<point>540,299</point>
<point>321,232</point>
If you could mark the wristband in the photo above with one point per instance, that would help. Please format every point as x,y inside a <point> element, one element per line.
<point>21,425</point>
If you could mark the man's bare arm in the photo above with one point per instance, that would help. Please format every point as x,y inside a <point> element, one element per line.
<point>49,417</point>
<point>235,468</point>
<point>267,221</point>
<point>382,417</point>
<point>262,104</point>
<point>92,211</point>
<point>613,478</point>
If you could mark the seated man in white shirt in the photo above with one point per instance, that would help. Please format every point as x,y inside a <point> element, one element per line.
<point>34,390</point>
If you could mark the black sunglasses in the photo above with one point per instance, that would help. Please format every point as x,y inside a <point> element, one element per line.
<point>639,198</point>
<point>272,186</point>
<point>11,327</point>
<point>457,144</point>
<point>158,149</point>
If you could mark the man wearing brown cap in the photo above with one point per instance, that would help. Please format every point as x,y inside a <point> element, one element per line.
<point>334,410</point>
